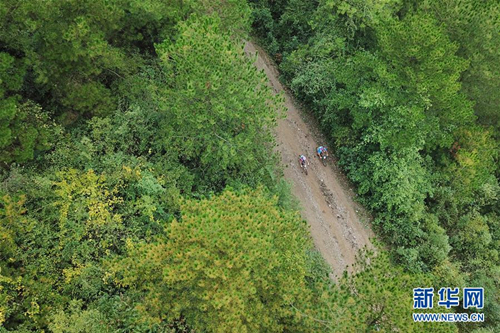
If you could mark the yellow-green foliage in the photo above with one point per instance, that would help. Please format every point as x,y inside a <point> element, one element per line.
<point>475,153</point>
<point>378,296</point>
<point>85,198</point>
<point>12,222</point>
<point>234,262</point>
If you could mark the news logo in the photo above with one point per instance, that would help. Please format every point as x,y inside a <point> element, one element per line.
<point>473,298</point>
<point>423,299</point>
<point>448,297</point>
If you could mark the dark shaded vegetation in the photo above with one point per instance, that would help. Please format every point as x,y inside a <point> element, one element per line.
<point>407,93</point>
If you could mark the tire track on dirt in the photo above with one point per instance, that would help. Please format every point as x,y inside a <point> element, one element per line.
<point>326,205</point>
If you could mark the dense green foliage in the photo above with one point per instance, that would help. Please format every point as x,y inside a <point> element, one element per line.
<point>139,190</point>
<point>227,134</point>
<point>375,298</point>
<point>158,103</point>
<point>406,91</point>
<point>74,61</point>
<point>222,266</point>
<point>24,129</point>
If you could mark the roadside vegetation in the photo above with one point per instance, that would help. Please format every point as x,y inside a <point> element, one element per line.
<point>405,92</point>
<point>139,191</point>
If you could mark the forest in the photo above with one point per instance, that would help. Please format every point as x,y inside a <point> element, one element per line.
<point>140,190</point>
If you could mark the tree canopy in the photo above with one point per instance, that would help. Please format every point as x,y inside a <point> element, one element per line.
<point>140,191</point>
<point>404,90</point>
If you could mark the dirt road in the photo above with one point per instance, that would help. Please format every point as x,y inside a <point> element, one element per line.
<point>326,201</point>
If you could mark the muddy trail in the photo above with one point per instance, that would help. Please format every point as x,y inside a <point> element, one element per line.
<point>326,201</point>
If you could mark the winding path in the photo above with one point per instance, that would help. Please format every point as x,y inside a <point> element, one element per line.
<point>325,197</point>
